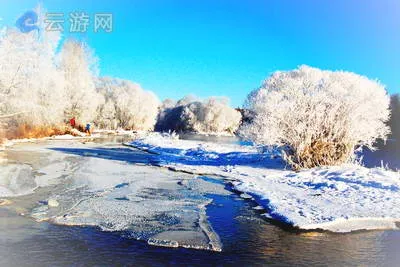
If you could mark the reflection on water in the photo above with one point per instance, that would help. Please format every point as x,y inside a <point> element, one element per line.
<point>247,238</point>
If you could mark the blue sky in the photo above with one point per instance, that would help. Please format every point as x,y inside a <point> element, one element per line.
<point>227,48</point>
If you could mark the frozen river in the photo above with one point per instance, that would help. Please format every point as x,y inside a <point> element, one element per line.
<point>116,207</point>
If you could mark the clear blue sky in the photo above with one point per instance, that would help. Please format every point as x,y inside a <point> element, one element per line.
<point>226,48</point>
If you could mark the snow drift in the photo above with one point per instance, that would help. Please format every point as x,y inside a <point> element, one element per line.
<point>340,198</point>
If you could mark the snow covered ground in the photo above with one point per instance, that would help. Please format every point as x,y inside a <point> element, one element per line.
<point>339,198</point>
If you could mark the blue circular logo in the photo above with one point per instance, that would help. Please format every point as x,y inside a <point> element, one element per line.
<point>27,22</point>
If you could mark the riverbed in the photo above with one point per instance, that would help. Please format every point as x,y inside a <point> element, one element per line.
<point>234,226</point>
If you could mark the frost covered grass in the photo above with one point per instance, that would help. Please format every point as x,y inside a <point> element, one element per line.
<point>339,198</point>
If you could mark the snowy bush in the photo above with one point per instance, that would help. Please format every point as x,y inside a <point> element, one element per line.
<point>126,105</point>
<point>318,117</point>
<point>211,116</point>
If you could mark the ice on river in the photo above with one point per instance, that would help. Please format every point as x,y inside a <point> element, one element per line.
<point>36,167</point>
<point>100,186</point>
<point>16,180</point>
<point>340,198</point>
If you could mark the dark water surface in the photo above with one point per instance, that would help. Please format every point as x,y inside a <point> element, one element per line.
<point>248,240</point>
<point>388,155</point>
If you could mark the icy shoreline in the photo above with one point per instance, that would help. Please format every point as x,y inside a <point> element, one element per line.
<point>339,199</point>
<point>71,183</point>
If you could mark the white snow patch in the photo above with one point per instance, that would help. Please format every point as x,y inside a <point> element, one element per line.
<point>338,198</point>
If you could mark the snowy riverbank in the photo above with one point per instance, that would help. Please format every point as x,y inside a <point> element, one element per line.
<point>339,198</point>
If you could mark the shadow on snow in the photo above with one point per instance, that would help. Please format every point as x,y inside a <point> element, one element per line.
<point>192,157</point>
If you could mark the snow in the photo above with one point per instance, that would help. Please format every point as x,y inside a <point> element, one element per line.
<point>339,198</point>
<point>84,184</point>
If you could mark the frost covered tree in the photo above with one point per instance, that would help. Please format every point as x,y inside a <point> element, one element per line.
<point>78,66</point>
<point>211,116</point>
<point>106,115</point>
<point>41,89</point>
<point>317,117</point>
<point>31,87</point>
<point>106,110</point>
<point>126,105</point>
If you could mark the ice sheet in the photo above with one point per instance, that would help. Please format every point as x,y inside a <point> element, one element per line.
<point>144,202</point>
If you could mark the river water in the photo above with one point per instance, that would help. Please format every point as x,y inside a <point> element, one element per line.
<point>247,238</point>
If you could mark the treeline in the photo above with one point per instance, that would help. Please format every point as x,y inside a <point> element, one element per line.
<point>189,114</point>
<point>43,87</point>
<point>315,117</point>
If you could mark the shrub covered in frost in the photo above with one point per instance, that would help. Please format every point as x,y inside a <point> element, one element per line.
<point>212,116</point>
<point>126,105</point>
<point>318,117</point>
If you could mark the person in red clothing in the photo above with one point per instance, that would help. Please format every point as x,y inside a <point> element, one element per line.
<point>72,122</point>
